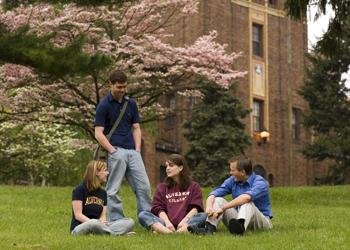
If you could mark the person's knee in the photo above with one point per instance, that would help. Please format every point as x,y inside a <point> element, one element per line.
<point>143,191</point>
<point>95,224</point>
<point>123,225</point>
<point>129,223</point>
<point>219,201</point>
<point>143,215</point>
<point>112,194</point>
<point>200,216</point>
<point>249,205</point>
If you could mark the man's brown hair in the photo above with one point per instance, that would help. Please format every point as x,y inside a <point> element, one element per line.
<point>243,163</point>
<point>117,76</point>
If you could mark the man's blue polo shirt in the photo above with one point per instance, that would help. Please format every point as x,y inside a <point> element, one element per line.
<point>107,112</point>
<point>255,186</point>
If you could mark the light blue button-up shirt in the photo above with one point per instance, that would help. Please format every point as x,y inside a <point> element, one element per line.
<point>255,186</point>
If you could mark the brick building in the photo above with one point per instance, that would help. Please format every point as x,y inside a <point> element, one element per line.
<point>273,48</point>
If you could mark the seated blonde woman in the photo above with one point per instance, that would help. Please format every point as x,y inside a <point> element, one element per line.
<point>89,202</point>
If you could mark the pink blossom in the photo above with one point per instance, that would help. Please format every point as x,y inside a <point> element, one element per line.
<point>134,36</point>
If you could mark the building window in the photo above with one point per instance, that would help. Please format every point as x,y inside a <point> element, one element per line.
<point>193,101</point>
<point>296,124</point>
<point>272,2</point>
<point>257,40</point>
<point>171,120</point>
<point>258,115</point>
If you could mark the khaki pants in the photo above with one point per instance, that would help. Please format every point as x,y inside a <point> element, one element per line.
<point>253,218</point>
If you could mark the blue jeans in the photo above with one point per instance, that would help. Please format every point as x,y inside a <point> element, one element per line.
<point>147,219</point>
<point>128,163</point>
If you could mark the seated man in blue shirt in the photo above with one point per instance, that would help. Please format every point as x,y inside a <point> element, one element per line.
<point>250,208</point>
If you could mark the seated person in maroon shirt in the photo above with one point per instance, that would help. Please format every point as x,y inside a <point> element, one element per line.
<point>177,202</point>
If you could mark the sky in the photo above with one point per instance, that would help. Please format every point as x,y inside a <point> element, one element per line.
<point>317,28</point>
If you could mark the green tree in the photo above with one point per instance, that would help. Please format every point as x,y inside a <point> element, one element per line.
<point>215,133</point>
<point>329,115</point>
<point>325,89</point>
<point>55,56</point>
<point>68,50</point>
<point>21,47</point>
<point>38,154</point>
<point>333,37</point>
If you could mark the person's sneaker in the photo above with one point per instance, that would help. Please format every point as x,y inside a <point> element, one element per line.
<point>201,224</point>
<point>236,227</point>
<point>208,229</point>
<point>130,233</point>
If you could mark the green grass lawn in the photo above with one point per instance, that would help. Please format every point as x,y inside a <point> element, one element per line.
<point>304,218</point>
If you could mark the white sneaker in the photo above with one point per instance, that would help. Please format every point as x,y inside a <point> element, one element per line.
<point>130,233</point>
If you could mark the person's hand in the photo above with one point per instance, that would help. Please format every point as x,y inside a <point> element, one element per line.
<point>182,227</point>
<point>209,211</point>
<point>170,226</point>
<point>113,151</point>
<point>104,221</point>
<point>217,213</point>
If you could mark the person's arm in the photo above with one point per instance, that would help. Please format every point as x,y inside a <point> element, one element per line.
<point>182,227</point>
<point>102,139</point>
<point>103,217</point>
<point>258,189</point>
<point>168,223</point>
<point>159,200</point>
<point>159,207</point>
<point>222,191</point>
<point>209,205</point>
<point>239,201</point>
<point>137,136</point>
<point>78,211</point>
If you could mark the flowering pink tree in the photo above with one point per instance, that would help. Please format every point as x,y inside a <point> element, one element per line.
<point>132,36</point>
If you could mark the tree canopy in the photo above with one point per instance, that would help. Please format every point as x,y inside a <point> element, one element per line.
<point>334,36</point>
<point>329,115</point>
<point>57,58</point>
<point>325,89</point>
<point>215,133</point>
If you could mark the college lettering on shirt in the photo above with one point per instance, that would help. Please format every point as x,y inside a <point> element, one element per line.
<point>93,200</point>
<point>176,197</point>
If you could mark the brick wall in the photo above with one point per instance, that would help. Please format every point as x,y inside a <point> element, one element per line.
<point>287,44</point>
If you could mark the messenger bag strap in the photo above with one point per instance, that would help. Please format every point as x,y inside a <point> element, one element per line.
<point>116,124</point>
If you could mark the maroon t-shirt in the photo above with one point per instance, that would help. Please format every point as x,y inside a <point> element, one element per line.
<point>176,203</point>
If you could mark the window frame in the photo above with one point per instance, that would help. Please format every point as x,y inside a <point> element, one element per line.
<point>258,119</point>
<point>257,45</point>
<point>295,124</point>
<point>170,121</point>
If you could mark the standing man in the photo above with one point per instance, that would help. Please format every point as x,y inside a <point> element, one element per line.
<point>250,208</point>
<point>124,147</point>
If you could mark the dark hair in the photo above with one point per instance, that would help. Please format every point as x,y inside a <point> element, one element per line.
<point>117,76</point>
<point>243,163</point>
<point>90,179</point>
<point>184,176</point>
